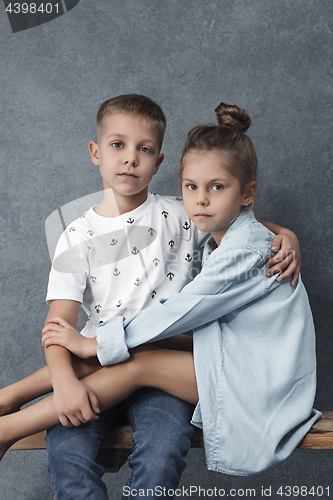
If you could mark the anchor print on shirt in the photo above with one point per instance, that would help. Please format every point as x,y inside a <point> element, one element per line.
<point>90,232</point>
<point>153,293</point>
<point>71,229</point>
<point>98,307</point>
<point>93,279</point>
<point>170,276</point>
<point>186,225</point>
<point>171,244</point>
<point>135,251</point>
<point>113,242</point>
<point>130,220</point>
<point>151,231</point>
<point>116,272</point>
<point>137,282</point>
<point>119,303</point>
<point>188,258</point>
<point>156,262</point>
<point>165,214</point>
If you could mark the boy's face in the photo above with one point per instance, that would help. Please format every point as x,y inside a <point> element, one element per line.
<point>128,155</point>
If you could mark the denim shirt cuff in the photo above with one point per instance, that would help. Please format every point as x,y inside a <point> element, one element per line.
<point>112,347</point>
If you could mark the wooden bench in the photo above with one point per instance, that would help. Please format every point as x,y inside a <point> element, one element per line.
<point>117,444</point>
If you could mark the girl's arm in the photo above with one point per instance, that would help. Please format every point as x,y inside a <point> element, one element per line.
<point>110,347</point>
<point>229,280</point>
<point>288,256</point>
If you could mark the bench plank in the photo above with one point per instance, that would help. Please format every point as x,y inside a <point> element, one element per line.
<point>320,436</point>
<point>117,444</point>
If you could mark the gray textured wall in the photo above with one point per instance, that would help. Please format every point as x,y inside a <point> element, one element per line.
<point>273,58</point>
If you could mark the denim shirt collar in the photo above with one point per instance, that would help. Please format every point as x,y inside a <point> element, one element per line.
<point>242,219</point>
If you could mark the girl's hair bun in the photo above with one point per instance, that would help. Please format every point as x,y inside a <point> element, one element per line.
<point>233,117</point>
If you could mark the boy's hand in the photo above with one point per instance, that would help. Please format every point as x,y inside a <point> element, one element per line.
<point>75,403</point>
<point>59,332</point>
<point>288,257</point>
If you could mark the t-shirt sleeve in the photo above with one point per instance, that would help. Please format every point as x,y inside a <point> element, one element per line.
<point>70,267</point>
<point>228,281</point>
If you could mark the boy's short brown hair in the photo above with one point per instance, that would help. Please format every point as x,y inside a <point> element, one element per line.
<point>135,104</point>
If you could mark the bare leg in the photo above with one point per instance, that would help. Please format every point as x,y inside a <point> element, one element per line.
<point>171,371</point>
<point>38,384</point>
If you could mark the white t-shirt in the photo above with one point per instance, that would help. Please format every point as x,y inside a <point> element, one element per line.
<point>118,266</point>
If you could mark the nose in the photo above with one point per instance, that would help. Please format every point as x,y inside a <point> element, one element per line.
<point>202,198</point>
<point>131,158</point>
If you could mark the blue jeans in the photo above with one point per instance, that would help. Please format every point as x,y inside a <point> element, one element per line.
<point>161,439</point>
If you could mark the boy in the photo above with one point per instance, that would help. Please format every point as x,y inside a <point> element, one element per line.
<point>130,131</point>
<point>121,255</point>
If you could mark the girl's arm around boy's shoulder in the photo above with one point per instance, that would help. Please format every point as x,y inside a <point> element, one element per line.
<point>287,256</point>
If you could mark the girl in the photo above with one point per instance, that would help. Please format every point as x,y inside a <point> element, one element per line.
<point>252,372</point>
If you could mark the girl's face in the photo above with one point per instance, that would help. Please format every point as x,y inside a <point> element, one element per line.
<point>212,196</point>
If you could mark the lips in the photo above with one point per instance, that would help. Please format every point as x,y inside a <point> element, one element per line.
<point>128,175</point>
<point>202,216</point>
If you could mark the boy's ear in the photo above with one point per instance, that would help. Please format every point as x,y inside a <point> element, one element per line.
<point>93,148</point>
<point>250,193</point>
<point>158,163</point>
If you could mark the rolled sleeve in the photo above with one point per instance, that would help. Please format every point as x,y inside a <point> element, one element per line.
<point>112,347</point>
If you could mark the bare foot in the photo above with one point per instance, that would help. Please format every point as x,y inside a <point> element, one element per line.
<point>4,443</point>
<point>3,449</point>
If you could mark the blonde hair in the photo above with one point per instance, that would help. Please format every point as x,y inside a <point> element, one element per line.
<point>229,138</point>
<point>134,104</point>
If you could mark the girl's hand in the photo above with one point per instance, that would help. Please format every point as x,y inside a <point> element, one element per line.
<point>287,259</point>
<point>59,332</point>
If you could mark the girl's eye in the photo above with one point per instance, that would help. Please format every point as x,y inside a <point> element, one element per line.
<point>191,187</point>
<point>117,145</point>
<point>217,187</point>
<point>145,149</point>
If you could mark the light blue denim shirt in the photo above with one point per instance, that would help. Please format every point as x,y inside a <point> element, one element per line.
<point>254,351</point>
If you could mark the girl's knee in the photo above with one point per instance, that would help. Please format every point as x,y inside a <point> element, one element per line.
<point>141,357</point>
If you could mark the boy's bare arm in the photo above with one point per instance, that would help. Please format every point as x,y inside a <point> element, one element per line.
<point>58,359</point>
<point>74,401</point>
<point>60,333</point>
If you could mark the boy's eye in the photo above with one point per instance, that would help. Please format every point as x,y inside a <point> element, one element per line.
<point>145,149</point>
<point>116,144</point>
<point>217,187</point>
